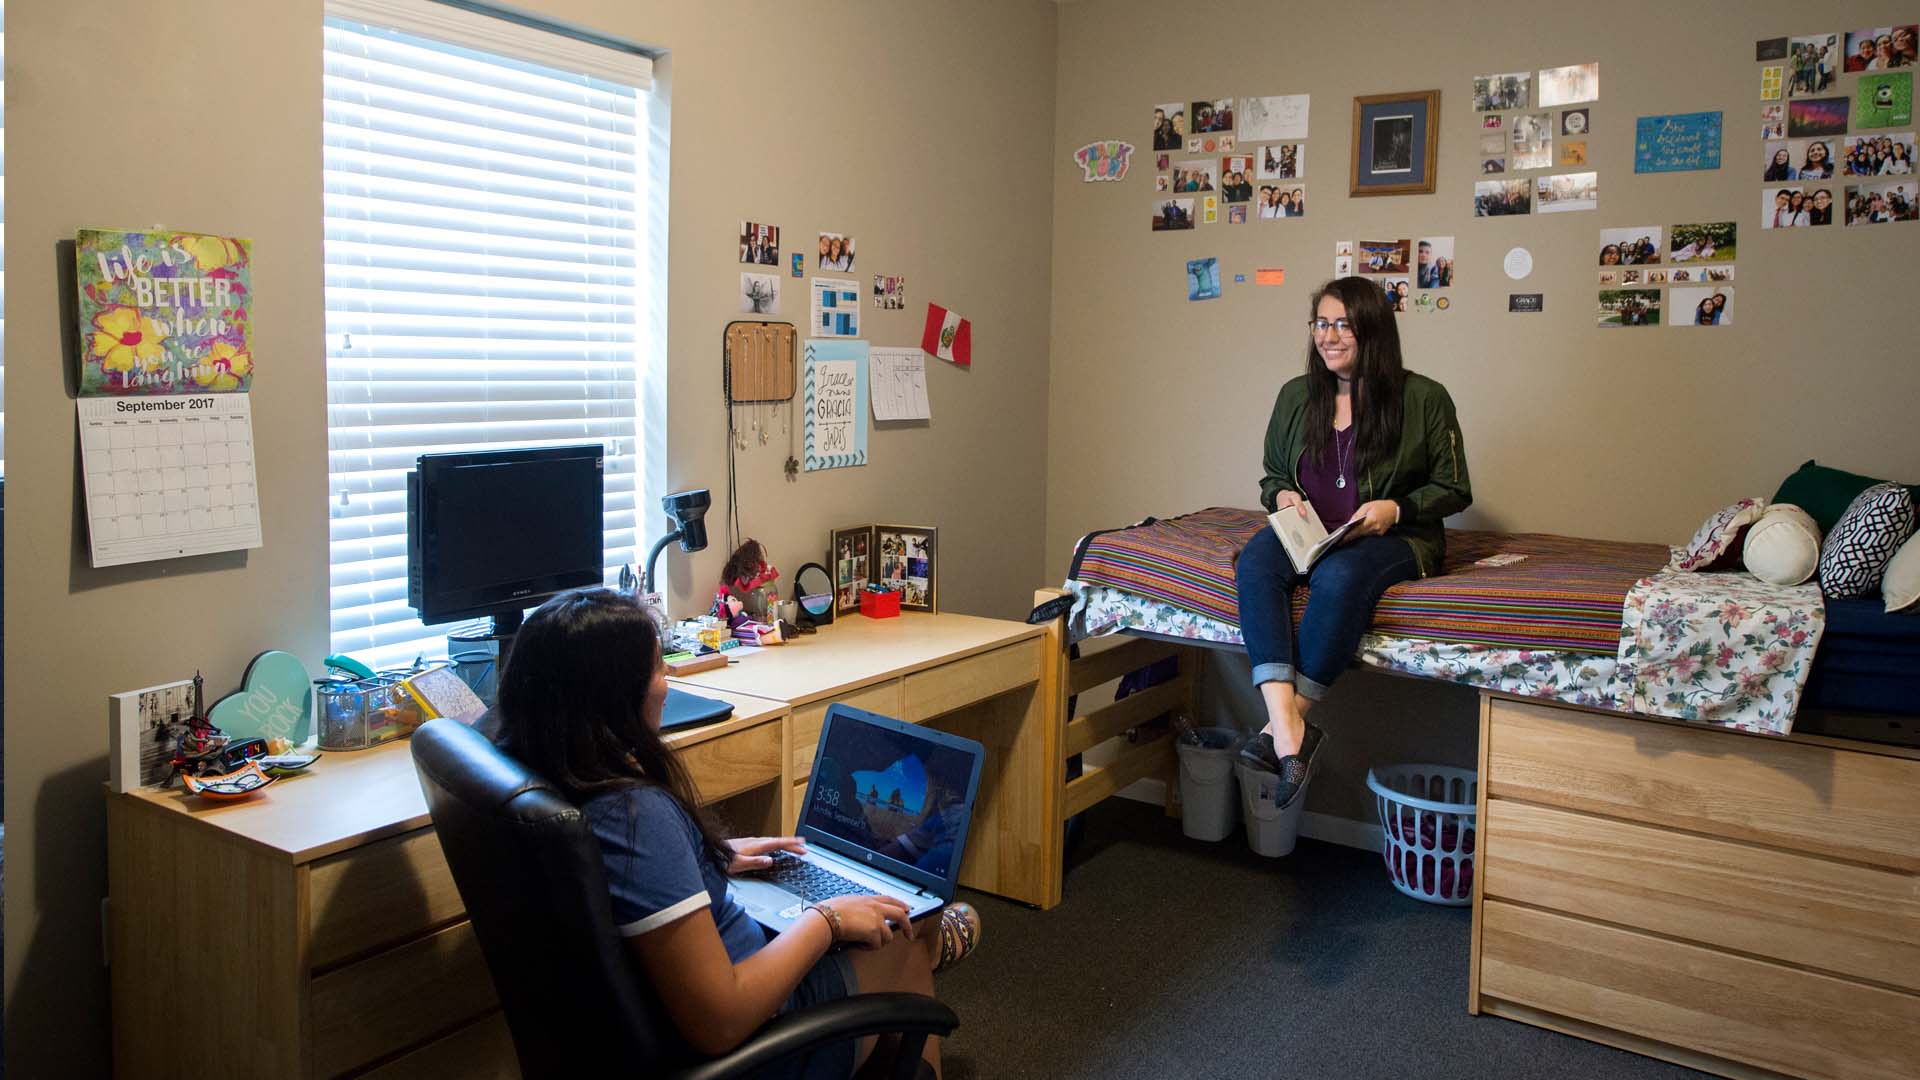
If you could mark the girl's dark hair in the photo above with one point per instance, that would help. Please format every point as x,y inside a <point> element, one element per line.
<point>573,704</point>
<point>745,559</point>
<point>1378,376</point>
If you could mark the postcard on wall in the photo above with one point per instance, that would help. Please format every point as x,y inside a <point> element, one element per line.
<point>1682,142</point>
<point>1880,154</point>
<point>1281,161</point>
<point>1384,256</point>
<point>168,476</point>
<point>1433,262</point>
<point>1342,266</point>
<point>1816,63</point>
<point>1566,191</point>
<point>1772,79</point>
<point>1501,198</point>
<point>1236,178</point>
<point>759,244</point>
<point>1274,118</point>
<point>1172,214</point>
<point>1203,279</point>
<point>1633,245</point>
<point>836,416</point>
<point>1572,153</point>
<point>1532,142</point>
<point>836,253</point>
<point>1809,118</point>
<point>1881,47</point>
<point>1770,49</point>
<point>1209,210</point>
<point>1569,85</point>
<point>1628,307</point>
<point>1499,93</point>
<point>760,293</point>
<point>889,292</point>
<point>1883,100</point>
<point>164,312</point>
<point>1237,214</point>
<point>836,307</point>
<point>1169,127</point>
<point>1194,176</point>
<point>1878,204</point>
<point>1773,121</point>
<point>947,336</point>
<point>1709,306</point>
<point>899,384</point>
<point>1710,241</point>
<point>1212,117</point>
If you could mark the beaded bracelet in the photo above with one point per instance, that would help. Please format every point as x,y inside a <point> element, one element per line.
<point>832,917</point>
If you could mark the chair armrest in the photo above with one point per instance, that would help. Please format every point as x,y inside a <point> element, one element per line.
<point>828,1022</point>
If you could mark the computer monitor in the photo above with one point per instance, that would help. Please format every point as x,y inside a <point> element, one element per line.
<point>499,531</point>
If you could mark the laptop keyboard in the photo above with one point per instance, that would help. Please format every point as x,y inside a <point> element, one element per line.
<point>808,881</point>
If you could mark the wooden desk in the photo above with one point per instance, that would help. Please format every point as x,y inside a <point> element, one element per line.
<point>988,679</point>
<point>315,930</point>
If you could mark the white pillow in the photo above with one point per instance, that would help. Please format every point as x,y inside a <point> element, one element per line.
<point>1783,546</point>
<point>1902,585</point>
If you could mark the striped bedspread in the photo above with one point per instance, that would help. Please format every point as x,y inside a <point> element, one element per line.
<point>1566,595</point>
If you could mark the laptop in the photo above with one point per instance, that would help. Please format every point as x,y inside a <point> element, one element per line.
<point>886,811</point>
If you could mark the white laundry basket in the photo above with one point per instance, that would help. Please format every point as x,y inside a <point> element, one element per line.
<point>1427,829</point>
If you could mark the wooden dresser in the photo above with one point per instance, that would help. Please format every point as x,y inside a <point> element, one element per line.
<point>315,930</point>
<point>1747,905</point>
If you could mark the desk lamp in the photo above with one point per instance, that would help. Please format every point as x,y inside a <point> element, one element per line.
<point>689,511</point>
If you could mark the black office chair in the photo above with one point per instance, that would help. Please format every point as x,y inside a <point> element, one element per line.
<point>529,872</point>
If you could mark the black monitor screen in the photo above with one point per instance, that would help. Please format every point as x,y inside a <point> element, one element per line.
<point>503,530</point>
<point>891,792</point>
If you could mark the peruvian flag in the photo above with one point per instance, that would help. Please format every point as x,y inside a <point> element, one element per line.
<point>948,336</point>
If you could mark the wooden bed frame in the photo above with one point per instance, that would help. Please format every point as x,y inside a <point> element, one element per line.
<point>1747,905</point>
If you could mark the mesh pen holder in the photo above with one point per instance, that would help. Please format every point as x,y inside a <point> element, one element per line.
<point>364,713</point>
<point>1427,829</point>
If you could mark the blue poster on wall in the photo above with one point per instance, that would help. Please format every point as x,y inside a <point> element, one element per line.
<point>835,397</point>
<point>1683,142</point>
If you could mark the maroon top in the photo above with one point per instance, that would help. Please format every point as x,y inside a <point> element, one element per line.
<point>1333,503</point>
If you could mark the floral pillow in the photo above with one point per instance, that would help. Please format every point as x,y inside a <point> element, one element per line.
<point>1854,559</point>
<point>1717,545</point>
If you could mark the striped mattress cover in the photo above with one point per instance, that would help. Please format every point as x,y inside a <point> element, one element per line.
<point>1566,595</point>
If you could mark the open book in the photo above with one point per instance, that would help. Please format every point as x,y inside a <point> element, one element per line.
<point>1303,536</point>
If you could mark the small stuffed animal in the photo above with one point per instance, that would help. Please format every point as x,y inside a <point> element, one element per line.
<point>745,593</point>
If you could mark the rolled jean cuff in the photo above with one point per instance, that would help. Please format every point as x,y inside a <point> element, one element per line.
<point>1266,673</point>
<point>1312,691</point>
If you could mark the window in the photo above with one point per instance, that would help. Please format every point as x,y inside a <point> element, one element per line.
<point>488,283</point>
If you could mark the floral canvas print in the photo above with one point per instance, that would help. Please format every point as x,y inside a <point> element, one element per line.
<point>164,313</point>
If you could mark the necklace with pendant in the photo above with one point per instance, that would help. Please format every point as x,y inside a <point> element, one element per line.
<point>1340,457</point>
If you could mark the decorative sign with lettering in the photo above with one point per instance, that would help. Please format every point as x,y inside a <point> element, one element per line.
<point>1683,142</point>
<point>164,313</point>
<point>275,701</point>
<point>835,398</point>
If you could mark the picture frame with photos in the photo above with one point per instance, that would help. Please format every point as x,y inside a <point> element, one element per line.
<point>904,558</point>
<point>1396,141</point>
<point>849,555</point>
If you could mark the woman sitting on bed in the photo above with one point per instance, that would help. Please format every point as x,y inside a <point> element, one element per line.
<point>1357,438</point>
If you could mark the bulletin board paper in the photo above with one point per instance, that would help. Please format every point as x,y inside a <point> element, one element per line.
<point>836,414</point>
<point>168,476</point>
<point>900,385</point>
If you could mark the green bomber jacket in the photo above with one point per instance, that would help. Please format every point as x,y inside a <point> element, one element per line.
<point>1427,478</point>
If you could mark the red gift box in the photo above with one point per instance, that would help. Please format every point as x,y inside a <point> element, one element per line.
<point>879,605</point>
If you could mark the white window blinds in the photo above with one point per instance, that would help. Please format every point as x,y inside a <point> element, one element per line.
<point>484,238</point>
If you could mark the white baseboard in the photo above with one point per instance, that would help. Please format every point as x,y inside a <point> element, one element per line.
<point>1327,828</point>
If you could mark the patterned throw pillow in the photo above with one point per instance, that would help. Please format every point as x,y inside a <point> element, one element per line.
<point>1854,558</point>
<point>1783,547</point>
<point>1717,545</point>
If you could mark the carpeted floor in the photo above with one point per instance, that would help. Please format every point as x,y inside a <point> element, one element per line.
<point>1177,958</point>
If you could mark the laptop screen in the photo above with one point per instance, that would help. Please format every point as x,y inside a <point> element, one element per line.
<point>894,790</point>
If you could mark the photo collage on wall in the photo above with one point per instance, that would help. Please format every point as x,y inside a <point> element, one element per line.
<point>1246,154</point>
<point>1680,275</point>
<point>1535,123</point>
<point>1837,129</point>
<point>1410,271</point>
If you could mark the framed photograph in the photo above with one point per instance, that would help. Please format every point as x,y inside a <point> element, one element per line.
<point>1396,140</point>
<point>908,562</point>
<point>851,552</point>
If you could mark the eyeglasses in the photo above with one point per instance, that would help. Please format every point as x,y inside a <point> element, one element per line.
<point>1322,326</point>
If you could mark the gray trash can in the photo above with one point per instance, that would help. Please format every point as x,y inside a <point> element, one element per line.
<point>1206,782</point>
<point>1271,829</point>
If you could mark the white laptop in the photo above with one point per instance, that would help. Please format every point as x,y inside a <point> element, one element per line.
<point>886,811</point>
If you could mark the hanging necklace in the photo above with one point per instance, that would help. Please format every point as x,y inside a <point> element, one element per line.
<point>1340,458</point>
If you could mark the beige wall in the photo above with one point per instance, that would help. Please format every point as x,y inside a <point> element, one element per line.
<point>905,125</point>
<point>1627,434</point>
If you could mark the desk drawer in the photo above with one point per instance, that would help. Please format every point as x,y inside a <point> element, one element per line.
<point>953,686</point>
<point>1747,1010</point>
<point>741,760</point>
<point>398,999</point>
<point>483,1050</point>
<point>379,894</point>
<point>1842,804</point>
<point>882,698</point>
<point>1852,920</point>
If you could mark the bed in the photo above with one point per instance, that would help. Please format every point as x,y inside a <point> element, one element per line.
<point>1666,863</point>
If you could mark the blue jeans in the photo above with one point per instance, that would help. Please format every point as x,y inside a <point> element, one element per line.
<point>1345,585</point>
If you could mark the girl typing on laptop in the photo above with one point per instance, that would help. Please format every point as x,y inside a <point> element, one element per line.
<point>589,724</point>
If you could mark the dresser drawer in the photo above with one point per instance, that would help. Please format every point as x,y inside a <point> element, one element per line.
<point>1853,920</point>
<point>398,999</point>
<point>742,760</point>
<point>882,698</point>
<point>483,1050</point>
<point>961,683</point>
<point>379,894</point>
<point>1839,803</point>
<point>1734,1007</point>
